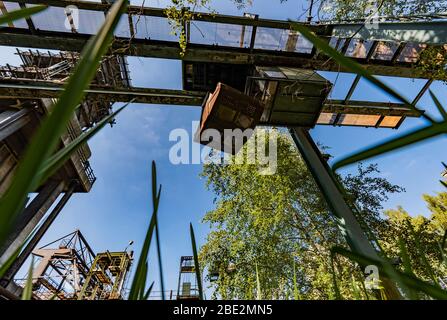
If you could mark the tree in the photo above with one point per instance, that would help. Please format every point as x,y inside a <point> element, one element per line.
<point>423,239</point>
<point>357,9</point>
<point>280,223</point>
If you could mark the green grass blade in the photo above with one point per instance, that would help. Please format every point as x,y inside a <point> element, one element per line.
<point>413,137</point>
<point>7,264</point>
<point>143,281</point>
<point>138,282</point>
<point>405,258</point>
<point>47,136</point>
<point>407,266</point>
<point>438,105</point>
<point>355,289</point>
<point>148,292</point>
<point>28,289</point>
<point>58,159</point>
<point>334,278</point>
<point>20,14</point>
<point>421,254</point>
<point>408,280</point>
<point>196,261</point>
<point>157,235</point>
<point>352,66</point>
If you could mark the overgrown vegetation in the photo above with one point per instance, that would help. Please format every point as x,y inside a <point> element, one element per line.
<point>180,14</point>
<point>358,9</point>
<point>433,63</point>
<point>275,237</point>
<point>281,221</point>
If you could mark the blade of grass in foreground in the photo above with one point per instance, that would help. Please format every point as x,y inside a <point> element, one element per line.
<point>408,280</point>
<point>403,253</point>
<point>148,292</point>
<point>196,261</point>
<point>413,137</point>
<point>436,128</point>
<point>334,278</point>
<point>421,254</point>
<point>27,175</point>
<point>157,235</point>
<point>28,288</point>
<point>353,66</point>
<point>418,135</point>
<point>8,263</point>
<point>137,289</point>
<point>438,105</point>
<point>20,14</point>
<point>58,159</point>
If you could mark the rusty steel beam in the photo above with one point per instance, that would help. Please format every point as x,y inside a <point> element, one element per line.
<point>63,41</point>
<point>368,107</point>
<point>68,41</point>
<point>29,89</point>
<point>37,89</point>
<point>197,16</point>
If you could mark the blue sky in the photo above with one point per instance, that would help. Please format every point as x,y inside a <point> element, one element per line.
<point>119,206</point>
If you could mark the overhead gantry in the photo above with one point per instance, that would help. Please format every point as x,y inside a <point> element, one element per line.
<point>229,49</point>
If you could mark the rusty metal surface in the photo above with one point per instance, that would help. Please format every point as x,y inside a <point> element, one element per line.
<point>228,108</point>
<point>29,89</point>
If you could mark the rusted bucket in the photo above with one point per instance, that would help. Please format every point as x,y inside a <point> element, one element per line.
<point>228,108</point>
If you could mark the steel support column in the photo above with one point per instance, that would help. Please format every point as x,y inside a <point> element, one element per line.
<point>12,121</point>
<point>32,243</point>
<point>30,217</point>
<point>333,194</point>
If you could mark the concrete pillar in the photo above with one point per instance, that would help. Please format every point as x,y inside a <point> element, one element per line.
<point>30,246</point>
<point>30,217</point>
<point>12,121</point>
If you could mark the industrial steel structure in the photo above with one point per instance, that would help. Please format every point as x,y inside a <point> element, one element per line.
<point>265,59</point>
<point>187,280</point>
<point>68,269</point>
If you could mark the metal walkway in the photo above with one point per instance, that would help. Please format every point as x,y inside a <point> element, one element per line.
<point>228,39</point>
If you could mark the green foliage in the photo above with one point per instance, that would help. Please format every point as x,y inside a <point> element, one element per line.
<point>403,279</point>
<point>181,14</point>
<point>432,63</point>
<point>340,10</point>
<point>137,289</point>
<point>419,240</point>
<point>281,222</point>
<point>28,289</point>
<point>258,284</point>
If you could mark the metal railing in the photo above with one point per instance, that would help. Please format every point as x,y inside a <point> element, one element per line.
<point>82,156</point>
